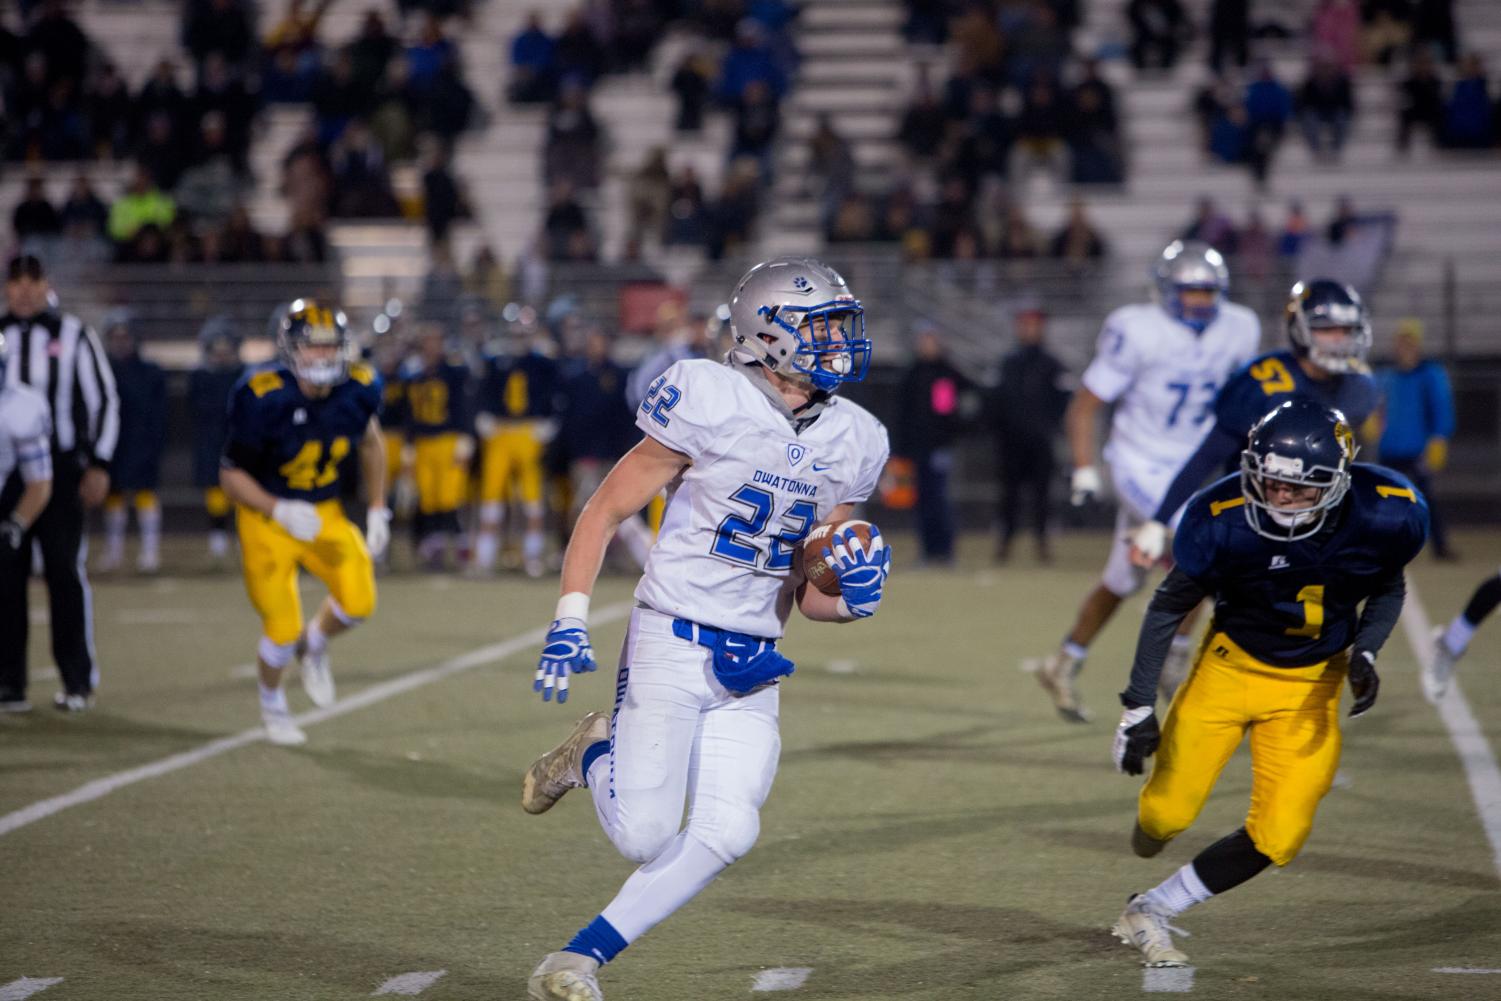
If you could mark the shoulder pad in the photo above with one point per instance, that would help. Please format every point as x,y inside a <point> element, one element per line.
<point>265,382</point>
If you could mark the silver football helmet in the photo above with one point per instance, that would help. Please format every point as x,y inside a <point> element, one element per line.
<point>1190,265</point>
<point>797,316</point>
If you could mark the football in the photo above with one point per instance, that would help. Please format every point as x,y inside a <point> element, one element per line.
<point>814,567</point>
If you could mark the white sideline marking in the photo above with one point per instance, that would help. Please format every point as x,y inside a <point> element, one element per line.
<point>1168,980</point>
<point>782,978</point>
<point>244,671</point>
<point>18,990</point>
<point>409,983</point>
<point>99,788</point>
<point>1469,741</point>
<point>844,666</point>
<point>1463,969</point>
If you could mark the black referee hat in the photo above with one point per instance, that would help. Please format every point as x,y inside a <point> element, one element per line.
<point>25,266</point>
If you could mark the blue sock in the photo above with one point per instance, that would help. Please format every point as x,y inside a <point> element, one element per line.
<point>592,754</point>
<point>598,940</point>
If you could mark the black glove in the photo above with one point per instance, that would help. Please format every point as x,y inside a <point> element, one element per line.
<point>1136,739</point>
<point>1364,682</point>
<point>12,536</point>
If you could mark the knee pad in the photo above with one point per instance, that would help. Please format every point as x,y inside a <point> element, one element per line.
<point>731,833</point>
<point>490,514</point>
<point>645,840</point>
<point>532,509</point>
<point>276,655</point>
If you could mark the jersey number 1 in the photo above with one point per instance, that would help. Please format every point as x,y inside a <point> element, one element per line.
<point>1312,600</point>
<point>301,471</point>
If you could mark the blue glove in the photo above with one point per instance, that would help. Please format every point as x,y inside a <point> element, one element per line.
<point>861,571</point>
<point>565,649</point>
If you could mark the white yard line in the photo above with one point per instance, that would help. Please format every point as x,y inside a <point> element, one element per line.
<point>99,788</point>
<point>19,990</point>
<point>1464,969</point>
<point>1168,980</point>
<point>1474,751</point>
<point>410,983</point>
<point>158,617</point>
<point>782,978</point>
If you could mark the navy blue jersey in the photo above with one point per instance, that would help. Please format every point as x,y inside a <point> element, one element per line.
<point>597,422</point>
<point>437,400</point>
<point>142,387</point>
<point>1291,604</point>
<point>520,387</point>
<point>209,390</point>
<point>1248,396</point>
<point>393,406</point>
<point>291,444</point>
<point>1257,389</point>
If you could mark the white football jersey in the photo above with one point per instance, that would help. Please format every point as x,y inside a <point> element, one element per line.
<point>724,556</point>
<point>1163,378</point>
<point>25,433</point>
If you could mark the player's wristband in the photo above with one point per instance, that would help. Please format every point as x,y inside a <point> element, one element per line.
<point>573,605</point>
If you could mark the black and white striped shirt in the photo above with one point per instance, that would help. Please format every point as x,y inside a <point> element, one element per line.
<point>61,358</point>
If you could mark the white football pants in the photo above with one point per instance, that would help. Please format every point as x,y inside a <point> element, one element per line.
<point>678,736</point>
<point>1140,484</point>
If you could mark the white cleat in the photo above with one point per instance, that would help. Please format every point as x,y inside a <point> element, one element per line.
<point>561,769</point>
<point>280,728</point>
<point>1056,675</point>
<point>1143,928</point>
<point>317,679</point>
<point>1440,670</point>
<point>565,976</point>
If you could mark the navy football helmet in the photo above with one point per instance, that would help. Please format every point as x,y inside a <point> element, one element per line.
<point>1305,444</point>
<point>1318,313</point>
<point>305,331</point>
<point>1190,265</point>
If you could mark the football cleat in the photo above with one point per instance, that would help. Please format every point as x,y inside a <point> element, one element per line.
<point>281,729</point>
<point>1174,672</point>
<point>317,678</point>
<point>1439,671</point>
<point>561,769</point>
<point>1144,928</point>
<point>14,702</point>
<point>1056,675</point>
<point>565,976</point>
<point>65,702</point>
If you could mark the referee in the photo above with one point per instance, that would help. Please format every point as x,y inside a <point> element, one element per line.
<point>55,354</point>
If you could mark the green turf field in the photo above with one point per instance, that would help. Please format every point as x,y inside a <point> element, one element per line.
<point>935,831</point>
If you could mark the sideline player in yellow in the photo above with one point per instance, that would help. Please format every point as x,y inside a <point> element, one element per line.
<point>290,427</point>
<point>437,394</point>
<point>517,413</point>
<point>1289,549</point>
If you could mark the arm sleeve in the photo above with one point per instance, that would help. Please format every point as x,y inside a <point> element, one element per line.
<point>678,409</point>
<point>1116,361</point>
<point>1178,595</point>
<point>96,384</point>
<point>1203,464</point>
<point>1381,612</point>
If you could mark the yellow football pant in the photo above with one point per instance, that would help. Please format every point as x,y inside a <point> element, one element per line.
<point>270,558</point>
<point>395,442</point>
<point>1292,715</point>
<point>513,452</point>
<point>144,500</point>
<point>439,475</point>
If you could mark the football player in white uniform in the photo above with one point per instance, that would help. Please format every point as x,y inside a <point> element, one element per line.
<point>1161,364</point>
<point>755,451</point>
